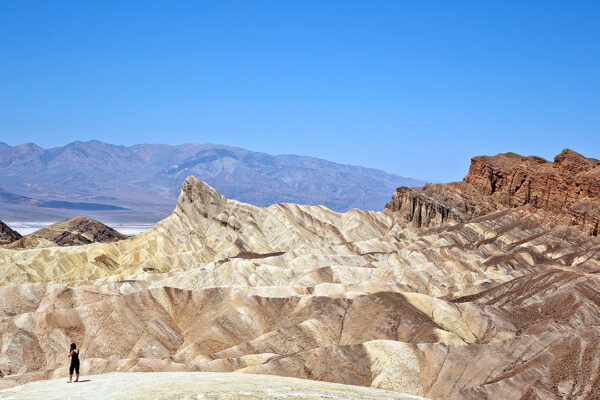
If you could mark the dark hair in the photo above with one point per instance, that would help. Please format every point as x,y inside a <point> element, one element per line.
<point>73,346</point>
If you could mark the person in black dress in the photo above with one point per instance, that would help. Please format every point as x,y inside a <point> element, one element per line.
<point>74,354</point>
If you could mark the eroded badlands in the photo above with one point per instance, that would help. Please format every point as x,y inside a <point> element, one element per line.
<point>499,306</point>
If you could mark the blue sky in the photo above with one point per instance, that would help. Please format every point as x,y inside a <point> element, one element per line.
<point>414,88</point>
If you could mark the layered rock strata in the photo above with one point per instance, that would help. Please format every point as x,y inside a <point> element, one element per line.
<point>74,231</point>
<point>505,305</point>
<point>567,190</point>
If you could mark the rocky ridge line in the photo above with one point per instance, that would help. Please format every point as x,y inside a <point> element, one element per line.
<point>566,190</point>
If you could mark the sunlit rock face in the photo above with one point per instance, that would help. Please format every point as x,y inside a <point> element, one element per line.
<point>498,306</point>
<point>567,191</point>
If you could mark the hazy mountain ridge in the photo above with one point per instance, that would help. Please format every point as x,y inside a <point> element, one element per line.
<point>146,178</point>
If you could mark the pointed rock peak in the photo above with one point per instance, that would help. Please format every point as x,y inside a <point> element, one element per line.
<point>198,197</point>
<point>194,189</point>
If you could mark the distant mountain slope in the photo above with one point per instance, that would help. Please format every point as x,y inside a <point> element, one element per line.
<point>145,179</point>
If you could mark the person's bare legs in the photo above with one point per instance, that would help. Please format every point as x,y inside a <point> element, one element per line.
<point>71,378</point>
<point>77,378</point>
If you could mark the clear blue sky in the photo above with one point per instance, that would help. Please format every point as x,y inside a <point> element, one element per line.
<point>414,88</point>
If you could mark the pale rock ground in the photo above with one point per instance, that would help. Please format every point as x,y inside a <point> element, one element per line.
<point>498,307</point>
<point>194,386</point>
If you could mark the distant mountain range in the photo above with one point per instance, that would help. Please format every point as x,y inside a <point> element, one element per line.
<point>140,183</point>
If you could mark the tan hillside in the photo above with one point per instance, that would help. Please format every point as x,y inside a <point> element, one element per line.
<point>500,306</point>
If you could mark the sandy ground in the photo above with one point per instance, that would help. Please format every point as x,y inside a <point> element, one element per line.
<point>192,386</point>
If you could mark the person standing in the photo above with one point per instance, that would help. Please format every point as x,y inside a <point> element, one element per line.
<point>74,354</point>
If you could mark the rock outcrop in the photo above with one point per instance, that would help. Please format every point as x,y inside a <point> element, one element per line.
<point>8,235</point>
<point>74,231</point>
<point>487,305</point>
<point>421,210</point>
<point>567,190</point>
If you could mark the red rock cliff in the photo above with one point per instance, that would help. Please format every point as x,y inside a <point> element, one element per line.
<point>568,189</point>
